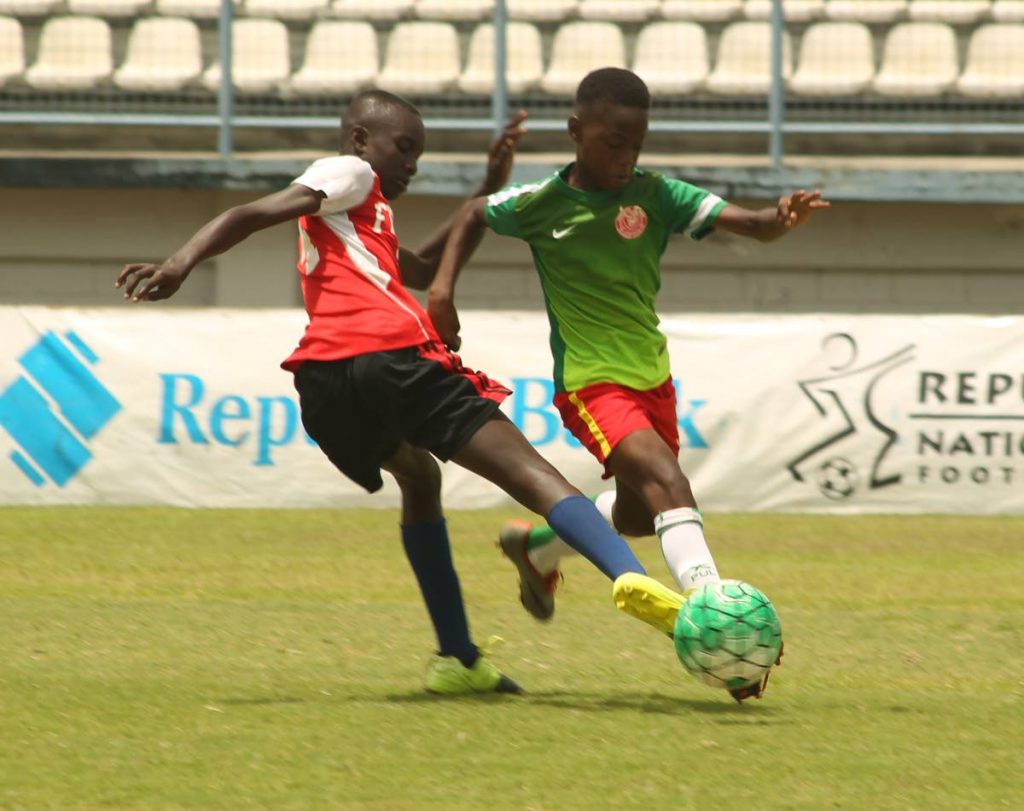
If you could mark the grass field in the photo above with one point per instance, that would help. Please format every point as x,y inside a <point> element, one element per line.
<point>166,659</point>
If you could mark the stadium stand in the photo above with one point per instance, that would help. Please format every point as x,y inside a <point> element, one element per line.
<point>525,64</point>
<point>373,10</point>
<point>340,57</point>
<point>541,11</point>
<point>30,8</point>
<point>635,11</point>
<point>704,11</point>
<point>110,9</point>
<point>421,58</point>
<point>1008,11</point>
<point>164,54</point>
<point>995,63</point>
<point>866,11</point>
<point>12,49</point>
<point>74,54</point>
<point>260,60</point>
<point>744,60</point>
<point>953,12</point>
<point>672,57</point>
<point>920,59</point>
<point>304,10</point>
<point>836,59</point>
<point>194,9</point>
<point>580,47</point>
<point>455,10</point>
<point>795,11</point>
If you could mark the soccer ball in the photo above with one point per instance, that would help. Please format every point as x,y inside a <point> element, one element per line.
<point>727,634</point>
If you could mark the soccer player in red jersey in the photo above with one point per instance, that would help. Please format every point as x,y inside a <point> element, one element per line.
<point>377,388</point>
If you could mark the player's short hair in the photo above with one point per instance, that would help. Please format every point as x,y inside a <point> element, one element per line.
<point>373,105</point>
<point>616,85</point>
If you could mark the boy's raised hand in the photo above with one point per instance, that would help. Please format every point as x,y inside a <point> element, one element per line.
<point>796,209</point>
<point>501,153</point>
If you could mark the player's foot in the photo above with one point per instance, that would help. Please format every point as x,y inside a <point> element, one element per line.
<point>646,599</point>
<point>536,590</point>
<point>447,675</point>
<point>755,690</point>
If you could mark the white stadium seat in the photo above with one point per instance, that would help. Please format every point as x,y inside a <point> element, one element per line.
<point>373,10</point>
<point>579,48</point>
<point>836,59</point>
<point>1008,11</point>
<point>30,8</point>
<point>421,57</point>
<point>117,9</point>
<point>525,63</point>
<point>285,9</point>
<point>672,57</point>
<point>12,49</point>
<point>74,54</point>
<point>794,11</point>
<point>704,11</point>
<point>260,59</point>
<point>919,59</point>
<point>194,9</point>
<point>163,54</point>
<point>866,11</point>
<point>455,10</point>
<point>341,57</point>
<point>743,66</point>
<point>541,11</point>
<point>635,11</point>
<point>954,12</point>
<point>995,62</point>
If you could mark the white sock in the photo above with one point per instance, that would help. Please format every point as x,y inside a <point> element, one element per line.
<point>545,557</point>
<point>605,502</point>
<point>686,552</point>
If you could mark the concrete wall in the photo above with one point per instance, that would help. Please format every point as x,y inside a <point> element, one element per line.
<point>64,247</point>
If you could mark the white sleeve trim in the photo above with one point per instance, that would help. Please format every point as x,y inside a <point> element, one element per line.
<point>707,205</point>
<point>506,194</point>
<point>345,180</point>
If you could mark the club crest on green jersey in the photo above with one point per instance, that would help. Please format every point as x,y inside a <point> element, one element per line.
<point>631,222</point>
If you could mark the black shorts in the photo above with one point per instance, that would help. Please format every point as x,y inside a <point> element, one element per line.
<point>360,409</point>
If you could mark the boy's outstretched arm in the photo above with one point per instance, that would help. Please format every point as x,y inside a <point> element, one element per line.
<point>766,224</point>
<point>419,266</point>
<point>466,232</point>
<point>144,281</point>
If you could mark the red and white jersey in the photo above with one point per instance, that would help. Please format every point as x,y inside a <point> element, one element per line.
<point>348,258</point>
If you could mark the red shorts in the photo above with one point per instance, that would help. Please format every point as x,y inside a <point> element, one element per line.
<point>602,415</point>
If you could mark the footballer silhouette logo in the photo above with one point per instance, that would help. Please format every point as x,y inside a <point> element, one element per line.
<point>852,441</point>
<point>631,222</point>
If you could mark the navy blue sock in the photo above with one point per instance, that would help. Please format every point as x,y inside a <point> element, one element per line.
<point>426,546</point>
<point>578,523</point>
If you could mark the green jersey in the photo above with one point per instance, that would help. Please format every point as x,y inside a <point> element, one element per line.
<point>598,255</point>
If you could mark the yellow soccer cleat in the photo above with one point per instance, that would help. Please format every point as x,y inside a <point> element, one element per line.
<point>646,599</point>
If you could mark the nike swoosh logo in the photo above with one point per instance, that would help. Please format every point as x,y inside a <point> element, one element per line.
<point>558,234</point>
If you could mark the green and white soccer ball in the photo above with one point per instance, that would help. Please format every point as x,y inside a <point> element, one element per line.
<point>728,634</point>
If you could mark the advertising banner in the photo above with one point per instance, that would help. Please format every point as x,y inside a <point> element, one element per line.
<point>838,413</point>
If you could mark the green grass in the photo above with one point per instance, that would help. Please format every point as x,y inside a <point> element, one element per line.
<point>170,659</point>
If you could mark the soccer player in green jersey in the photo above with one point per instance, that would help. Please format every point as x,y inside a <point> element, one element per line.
<point>597,229</point>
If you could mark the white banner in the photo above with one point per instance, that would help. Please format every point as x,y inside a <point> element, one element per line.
<point>841,413</point>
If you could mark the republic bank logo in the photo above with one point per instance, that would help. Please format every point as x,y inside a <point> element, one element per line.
<point>55,409</point>
<point>855,440</point>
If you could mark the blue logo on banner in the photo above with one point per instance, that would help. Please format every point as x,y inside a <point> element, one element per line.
<point>54,442</point>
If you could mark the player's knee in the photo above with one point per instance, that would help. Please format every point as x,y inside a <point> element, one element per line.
<point>418,474</point>
<point>635,526</point>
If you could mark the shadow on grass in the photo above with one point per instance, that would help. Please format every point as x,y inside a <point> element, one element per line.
<point>656,703</point>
